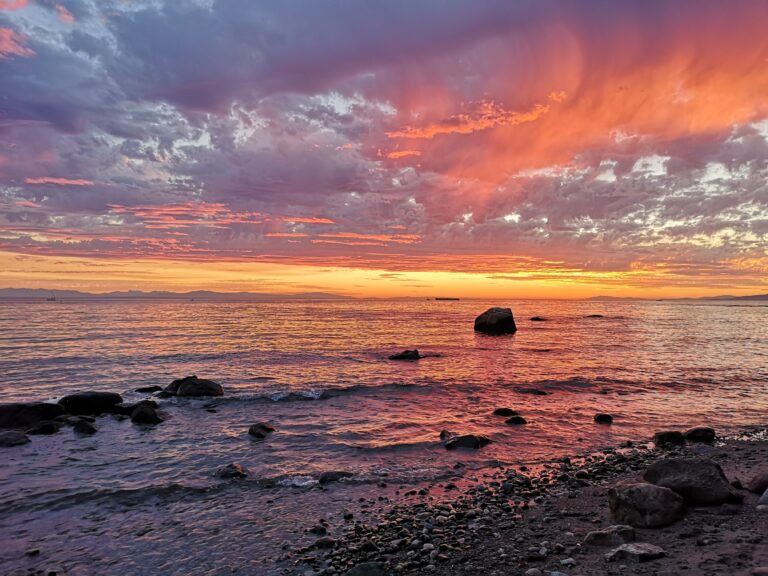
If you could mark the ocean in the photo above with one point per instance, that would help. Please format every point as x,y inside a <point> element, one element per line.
<point>144,500</point>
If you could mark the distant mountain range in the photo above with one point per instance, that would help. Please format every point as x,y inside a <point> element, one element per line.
<point>42,294</point>
<point>756,297</point>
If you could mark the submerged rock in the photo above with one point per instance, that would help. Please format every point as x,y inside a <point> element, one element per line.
<point>149,389</point>
<point>516,420</point>
<point>84,427</point>
<point>11,438</point>
<point>700,434</point>
<point>636,552</point>
<point>407,355</point>
<point>611,536</point>
<point>532,391</point>
<point>505,412</point>
<point>603,418</point>
<point>333,476</point>
<point>26,414</point>
<point>697,480</point>
<point>669,438</point>
<point>538,319</point>
<point>644,505</point>
<point>594,316</point>
<point>45,428</point>
<point>466,441</point>
<point>194,387</point>
<point>260,430</point>
<point>234,470</point>
<point>145,414</point>
<point>496,321</point>
<point>90,402</point>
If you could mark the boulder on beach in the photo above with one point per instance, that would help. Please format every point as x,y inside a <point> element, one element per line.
<point>26,414</point>
<point>473,441</point>
<point>697,480</point>
<point>194,387</point>
<point>93,403</point>
<point>407,355</point>
<point>612,536</point>
<point>333,476</point>
<point>759,482</point>
<point>234,470</point>
<point>145,413</point>
<point>700,434</point>
<point>636,552</point>
<point>644,505</point>
<point>505,412</point>
<point>496,321</point>
<point>10,438</point>
<point>515,420</point>
<point>603,418</point>
<point>669,438</point>
<point>260,430</point>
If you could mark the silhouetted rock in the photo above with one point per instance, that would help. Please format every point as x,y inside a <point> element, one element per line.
<point>466,441</point>
<point>538,319</point>
<point>603,418</point>
<point>611,536</point>
<point>333,476</point>
<point>234,470</point>
<point>194,386</point>
<point>594,316</point>
<point>700,434</point>
<point>697,480</point>
<point>531,391</point>
<point>759,482</point>
<point>45,428</point>
<point>445,434</point>
<point>636,552</point>
<point>11,438</point>
<point>26,414</point>
<point>84,427</point>
<point>516,420</point>
<point>496,321</point>
<point>149,389</point>
<point>90,402</point>
<point>260,430</point>
<point>406,355</point>
<point>669,437</point>
<point>644,505</point>
<point>145,414</point>
<point>505,412</point>
<point>127,409</point>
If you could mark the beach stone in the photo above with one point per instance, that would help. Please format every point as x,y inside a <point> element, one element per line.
<point>759,482</point>
<point>12,438</point>
<point>26,414</point>
<point>406,355</point>
<point>149,389</point>
<point>603,418</point>
<point>234,470</point>
<point>505,412</point>
<point>45,428</point>
<point>260,430</point>
<point>636,552</point>
<point>92,403</point>
<point>194,387</point>
<point>333,476</point>
<point>466,441</point>
<point>669,437</point>
<point>325,542</point>
<point>496,321</point>
<point>644,505</point>
<point>367,569</point>
<point>611,536</point>
<point>700,434</point>
<point>516,420</point>
<point>534,572</point>
<point>84,427</point>
<point>697,480</point>
<point>145,414</point>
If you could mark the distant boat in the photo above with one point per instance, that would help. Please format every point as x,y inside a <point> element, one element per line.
<point>447,298</point>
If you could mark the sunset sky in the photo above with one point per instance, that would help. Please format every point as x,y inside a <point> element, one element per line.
<point>498,148</point>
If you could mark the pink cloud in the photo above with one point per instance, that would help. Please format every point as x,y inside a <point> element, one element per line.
<point>64,14</point>
<point>12,44</point>
<point>59,181</point>
<point>13,4</point>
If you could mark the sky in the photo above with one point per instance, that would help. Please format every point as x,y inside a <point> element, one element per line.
<point>492,148</point>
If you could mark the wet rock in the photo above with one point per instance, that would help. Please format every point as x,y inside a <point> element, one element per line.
<point>531,391</point>
<point>26,414</point>
<point>516,420</point>
<point>325,542</point>
<point>367,569</point>
<point>636,552</point>
<point>505,412</point>
<point>697,480</point>
<point>611,536</point>
<point>12,438</point>
<point>759,482</point>
<point>45,428</point>
<point>466,441</point>
<point>496,321</point>
<point>603,418</point>
<point>149,389</point>
<point>333,476</point>
<point>127,409</point>
<point>194,387</point>
<point>446,434</point>
<point>84,427</point>
<point>700,434</point>
<point>145,414</point>
<point>644,505</point>
<point>260,430</point>
<point>234,470</point>
<point>92,403</point>
<point>406,355</point>
<point>538,319</point>
<point>669,438</point>
<point>594,316</point>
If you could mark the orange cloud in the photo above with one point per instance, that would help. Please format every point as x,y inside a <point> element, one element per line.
<point>396,238</point>
<point>27,204</point>
<point>403,154</point>
<point>285,235</point>
<point>12,44</point>
<point>13,4</point>
<point>59,181</point>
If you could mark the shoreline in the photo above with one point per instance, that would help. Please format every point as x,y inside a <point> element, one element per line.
<point>511,522</point>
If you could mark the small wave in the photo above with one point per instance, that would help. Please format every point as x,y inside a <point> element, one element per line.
<point>310,393</point>
<point>393,447</point>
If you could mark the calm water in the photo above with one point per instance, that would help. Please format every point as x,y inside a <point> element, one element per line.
<point>131,500</point>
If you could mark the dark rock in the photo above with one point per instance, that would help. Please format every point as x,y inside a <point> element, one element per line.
<point>644,505</point>
<point>538,319</point>
<point>516,420</point>
<point>763,502</point>
<point>635,552</point>
<point>127,409</point>
<point>532,391</point>
<point>149,389</point>
<point>759,482</point>
<point>11,438</point>
<point>406,355</point>
<point>505,412</point>
<point>700,434</point>
<point>24,415</point>
<point>194,387</point>
<point>603,418</point>
<point>333,476</point>
<point>697,480</point>
<point>496,321</point>
<point>84,427</point>
<point>92,403</point>
<point>446,434</point>
<point>325,542</point>
<point>595,316</point>
<point>234,470</point>
<point>669,438</point>
<point>145,414</point>
<point>611,536</point>
<point>367,569</point>
<point>466,441</point>
<point>45,428</point>
<point>260,430</point>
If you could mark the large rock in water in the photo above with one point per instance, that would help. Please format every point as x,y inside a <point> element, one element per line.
<point>697,480</point>
<point>90,402</point>
<point>496,321</point>
<point>644,505</point>
<point>194,386</point>
<point>24,415</point>
<point>466,441</point>
<point>11,438</point>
